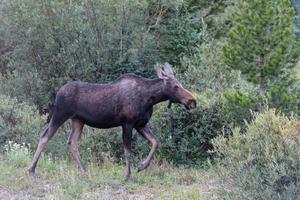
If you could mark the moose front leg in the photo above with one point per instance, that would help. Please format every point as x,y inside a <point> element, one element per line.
<point>127,136</point>
<point>153,139</point>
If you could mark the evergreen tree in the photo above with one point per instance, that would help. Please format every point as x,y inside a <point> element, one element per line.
<point>261,41</point>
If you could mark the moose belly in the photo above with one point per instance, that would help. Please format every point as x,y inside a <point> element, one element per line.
<point>99,120</point>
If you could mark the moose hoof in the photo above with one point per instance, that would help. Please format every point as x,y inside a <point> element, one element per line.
<point>128,179</point>
<point>141,166</point>
<point>31,173</point>
<point>84,173</point>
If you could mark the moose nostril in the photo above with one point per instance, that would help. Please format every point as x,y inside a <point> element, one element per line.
<point>192,103</point>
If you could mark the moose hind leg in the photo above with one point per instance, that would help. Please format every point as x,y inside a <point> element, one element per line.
<point>46,136</point>
<point>74,137</point>
<point>56,121</point>
<point>153,139</point>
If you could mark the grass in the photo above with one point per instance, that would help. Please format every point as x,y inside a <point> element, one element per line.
<point>61,179</point>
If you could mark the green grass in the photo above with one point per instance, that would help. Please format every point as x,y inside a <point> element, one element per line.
<point>62,180</point>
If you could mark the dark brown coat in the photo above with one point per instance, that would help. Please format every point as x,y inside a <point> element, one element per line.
<point>127,102</point>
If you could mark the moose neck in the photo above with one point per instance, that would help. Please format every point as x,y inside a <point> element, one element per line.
<point>155,92</point>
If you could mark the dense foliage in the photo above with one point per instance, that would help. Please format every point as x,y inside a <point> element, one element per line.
<point>263,162</point>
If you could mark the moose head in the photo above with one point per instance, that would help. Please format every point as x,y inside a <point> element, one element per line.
<point>175,92</point>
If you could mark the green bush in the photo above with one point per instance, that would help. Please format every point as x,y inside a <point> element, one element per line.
<point>239,106</point>
<point>22,123</point>
<point>262,163</point>
<point>186,135</point>
<point>19,122</point>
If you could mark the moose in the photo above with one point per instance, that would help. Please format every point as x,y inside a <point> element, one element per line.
<point>127,102</point>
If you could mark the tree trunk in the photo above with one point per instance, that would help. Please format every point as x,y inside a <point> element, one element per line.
<point>91,14</point>
<point>262,87</point>
<point>219,78</point>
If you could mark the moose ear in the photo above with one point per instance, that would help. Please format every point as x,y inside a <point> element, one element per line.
<point>160,73</point>
<point>168,70</point>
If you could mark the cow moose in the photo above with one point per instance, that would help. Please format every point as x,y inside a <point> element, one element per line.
<point>127,102</point>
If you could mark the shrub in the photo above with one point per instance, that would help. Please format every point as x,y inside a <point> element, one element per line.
<point>262,163</point>
<point>239,106</point>
<point>22,123</point>
<point>186,135</point>
<point>19,122</point>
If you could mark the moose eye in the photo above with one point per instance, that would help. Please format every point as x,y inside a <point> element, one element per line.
<point>176,87</point>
